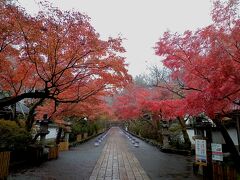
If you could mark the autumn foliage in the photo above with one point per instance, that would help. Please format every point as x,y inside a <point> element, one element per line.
<point>203,65</point>
<point>57,57</point>
<point>207,62</point>
<point>138,101</point>
<point>203,68</point>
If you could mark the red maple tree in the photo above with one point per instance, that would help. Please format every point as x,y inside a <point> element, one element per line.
<point>205,63</point>
<point>58,56</point>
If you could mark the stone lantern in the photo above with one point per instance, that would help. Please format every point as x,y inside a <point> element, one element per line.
<point>165,133</point>
<point>44,128</point>
<point>67,130</point>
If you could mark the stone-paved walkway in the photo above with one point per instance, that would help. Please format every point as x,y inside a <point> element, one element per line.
<point>116,158</point>
<point>116,162</point>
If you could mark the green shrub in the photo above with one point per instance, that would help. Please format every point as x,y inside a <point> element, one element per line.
<point>12,136</point>
<point>135,126</point>
<point>76,128</point>
<point>83,126</point>
<point>95,127</point>
<point>148,131</point>
<point>143,128</point>
<point>175,136</point>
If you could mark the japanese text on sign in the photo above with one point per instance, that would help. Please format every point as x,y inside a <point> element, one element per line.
<point>201,151</point>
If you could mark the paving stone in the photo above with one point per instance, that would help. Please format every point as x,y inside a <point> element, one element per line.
<point>116,162</point>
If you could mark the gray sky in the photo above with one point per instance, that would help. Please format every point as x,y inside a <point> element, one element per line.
<point>140,22</point>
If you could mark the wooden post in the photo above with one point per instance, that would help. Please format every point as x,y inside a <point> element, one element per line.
<point>85,135</point>
<point>79,137</point>
<point>238,130</point>
<point>63,146</point>
<point>53,152</point>
<point>4,164</point>
<point>209,152</point>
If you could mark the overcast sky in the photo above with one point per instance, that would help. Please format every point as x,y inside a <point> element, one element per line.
<point>140,22</point>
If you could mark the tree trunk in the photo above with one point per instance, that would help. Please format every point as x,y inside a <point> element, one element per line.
<point>35,138</point>
<point>14,112</point>
<point>229,143</point>
<point>31,115</point>
<point>209,153</point>
<point>59,135</point>
<point>185,134</point>
<point>156,122</point>
<point>7,101</point>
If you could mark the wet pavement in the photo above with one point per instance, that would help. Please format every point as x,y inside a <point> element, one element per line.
<point>116,157</point>
<point>159,165</point>
<point>75,164</point>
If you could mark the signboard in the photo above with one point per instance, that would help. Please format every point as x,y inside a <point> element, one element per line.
<point>201,151</point>
<point>217,153</point>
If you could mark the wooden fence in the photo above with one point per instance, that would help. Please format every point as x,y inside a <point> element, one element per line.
<point>4,164</point>
<point>224,172</point>
<point>79,137</point>
<point>85,135</point>
<point>63,146</point>
<point>53,152</point>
